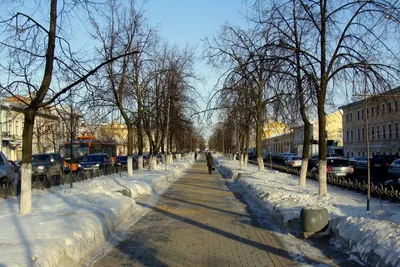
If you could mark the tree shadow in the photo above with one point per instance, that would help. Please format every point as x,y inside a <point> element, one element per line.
<point>246,241</point>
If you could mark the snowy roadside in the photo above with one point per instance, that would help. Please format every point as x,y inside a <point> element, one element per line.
<point>67,224</point>
<point>374,236</point>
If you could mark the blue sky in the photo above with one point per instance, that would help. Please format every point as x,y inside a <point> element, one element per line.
<point>187,22</point>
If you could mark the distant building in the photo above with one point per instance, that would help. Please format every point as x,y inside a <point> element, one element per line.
<point>50,131</point>
<point>383,117</point>
<point>292,139</point>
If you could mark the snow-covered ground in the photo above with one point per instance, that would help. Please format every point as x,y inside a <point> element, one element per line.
<point>67,224</point>
<point>374,236</point>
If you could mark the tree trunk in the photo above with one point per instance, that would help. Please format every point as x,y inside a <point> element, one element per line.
<point>26,169</point>
<point>130,150</point>
<point>321,95</point>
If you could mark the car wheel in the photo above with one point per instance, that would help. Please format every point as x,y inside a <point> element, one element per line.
<point>4,181</point>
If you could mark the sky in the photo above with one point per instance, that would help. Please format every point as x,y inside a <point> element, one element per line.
<point>188,22</point>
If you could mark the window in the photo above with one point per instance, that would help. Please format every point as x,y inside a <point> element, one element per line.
<point>377,110</point>
<point>396,105</point>
<point>347,136</point>
<point>383,108</point>
<point>377,133</point>
<point>347,117</point>
<point>390,131</point>
<point>372,111</point>
<point>16,128</point>
<point>358,134</point>
<point>373,132</point>
<point>362,114</point>
<point>389,107</point>
<point>367,112</point>
<point>397,130</point>
<point>351,135</point>
<point>384,131</point>
<point>363,134</point>
<point>351,116</point>
<point>358,114</point>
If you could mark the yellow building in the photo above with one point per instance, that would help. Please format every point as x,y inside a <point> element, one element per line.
<point>275,128</point>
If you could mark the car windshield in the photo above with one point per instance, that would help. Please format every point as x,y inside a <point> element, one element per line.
<point>40,158</point>
<point>296,158</point>
<point>338,163</point>
<point>89,158</point>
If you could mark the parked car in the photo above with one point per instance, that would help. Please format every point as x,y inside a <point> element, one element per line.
<point>294,161</point>
<point>122,160</point>
<point>393,183</point>
<point>313,161</point>
<point>15,170</point>
<point>47,165</point>
<point>287,155</point>
<point>394,169</point>
<point>354,160</point>
<point>338,167</point>
<point>380,163</point>
<point>6,174</point>
<point>96,161</point>
<point>361,164</point>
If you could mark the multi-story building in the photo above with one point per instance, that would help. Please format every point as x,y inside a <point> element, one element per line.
<point>50,131</point>
<point>381,114</point>
<point>292,139</point>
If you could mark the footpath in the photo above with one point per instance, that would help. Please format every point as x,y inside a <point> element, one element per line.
<point>198,221</point>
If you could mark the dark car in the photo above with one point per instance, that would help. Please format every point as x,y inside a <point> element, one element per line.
<point>6,173</point>
<point>393,183</point>
<point>380,164</point>
<point>15,169</point>
<point>47,165</point>
<point>123,160</point>
<point>98,162</point>
<point>338,167</point>
<point>354,160</point>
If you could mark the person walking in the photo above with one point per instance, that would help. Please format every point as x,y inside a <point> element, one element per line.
<point>195,156</point>
<point>210,162</point>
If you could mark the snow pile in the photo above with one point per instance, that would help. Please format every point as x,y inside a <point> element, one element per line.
<point>374,235</point>
<point>66,224</point>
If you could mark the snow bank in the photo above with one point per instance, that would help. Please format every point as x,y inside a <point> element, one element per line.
<point>66,224</point>
<point>374,236</point>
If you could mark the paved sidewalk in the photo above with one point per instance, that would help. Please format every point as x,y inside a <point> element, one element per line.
<point>197,222</point>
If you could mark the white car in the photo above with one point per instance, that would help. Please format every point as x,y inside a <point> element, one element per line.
<point>294,161</point>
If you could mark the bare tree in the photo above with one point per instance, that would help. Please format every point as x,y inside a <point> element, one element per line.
<point>33,50</point>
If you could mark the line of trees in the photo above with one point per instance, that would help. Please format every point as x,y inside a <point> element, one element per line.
<point>128,68</point>
<point>297,56</point>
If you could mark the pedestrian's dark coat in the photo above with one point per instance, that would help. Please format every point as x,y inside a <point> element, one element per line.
<point>210,162</point>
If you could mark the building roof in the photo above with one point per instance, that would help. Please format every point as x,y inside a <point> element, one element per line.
<point>373,97</point>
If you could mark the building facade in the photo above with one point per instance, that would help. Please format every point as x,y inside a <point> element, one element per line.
<point>379,117</point>
<point>292,140</point>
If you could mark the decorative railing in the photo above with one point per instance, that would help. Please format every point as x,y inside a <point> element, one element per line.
<point>377,189</point>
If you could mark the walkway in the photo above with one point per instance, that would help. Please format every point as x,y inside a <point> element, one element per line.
<point>197,222</point>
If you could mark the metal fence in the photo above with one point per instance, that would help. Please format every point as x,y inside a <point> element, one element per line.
<point>377,188</point>
<point>41,183</point>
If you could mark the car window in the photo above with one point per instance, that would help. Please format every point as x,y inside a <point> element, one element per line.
<point>40,158</point>
<point>1,160</point>
<point>338,163</point>
<point>92,158</point>
<point>396,161</point>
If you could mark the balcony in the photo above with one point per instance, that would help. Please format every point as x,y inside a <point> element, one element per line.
<point>6,136</point>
